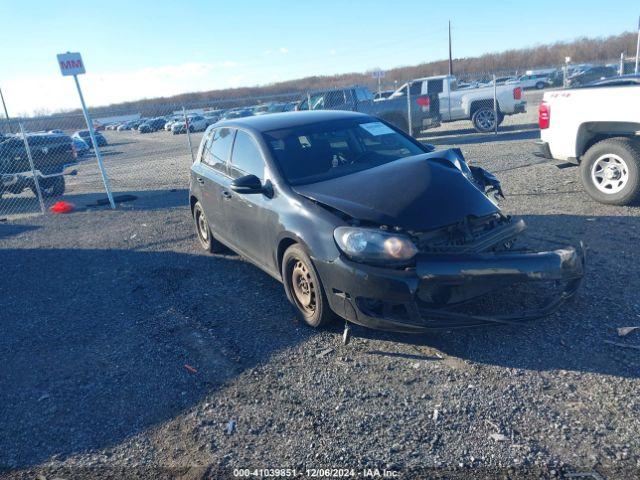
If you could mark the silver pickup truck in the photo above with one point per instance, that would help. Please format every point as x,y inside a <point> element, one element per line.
<point>475,104</point>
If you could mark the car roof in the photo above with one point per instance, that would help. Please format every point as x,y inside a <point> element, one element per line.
<point>276,121</point>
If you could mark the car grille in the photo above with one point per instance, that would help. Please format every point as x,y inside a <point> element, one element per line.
<point>491,233</point>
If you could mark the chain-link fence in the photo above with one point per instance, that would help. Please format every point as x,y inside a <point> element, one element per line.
<point>149,148</point>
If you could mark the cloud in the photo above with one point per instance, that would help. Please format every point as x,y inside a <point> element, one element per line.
<point>283,50</point>
<point>54,92</point>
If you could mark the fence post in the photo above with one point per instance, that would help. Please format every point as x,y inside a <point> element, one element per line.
<point>186,126</point>
<point>308,101</point>
<point>409,122</point>
<point>33,168</point>
<point>495,104</point>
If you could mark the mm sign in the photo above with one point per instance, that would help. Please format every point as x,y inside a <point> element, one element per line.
<point>70,64</point>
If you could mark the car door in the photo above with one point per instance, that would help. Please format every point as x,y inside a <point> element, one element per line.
<point>211,173</point>
<point>250,215</point>
<point>456,108</point>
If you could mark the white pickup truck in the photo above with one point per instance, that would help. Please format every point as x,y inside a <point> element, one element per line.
<point>475,104</point>
<point>598,128</point>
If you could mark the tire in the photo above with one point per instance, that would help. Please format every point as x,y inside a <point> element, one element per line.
<point>191,129</point>
<point>484,120</point>
<point>51,187</point>
<point>540,85</point>
<point>610,171</point>
<point>203,231</point>
<point>308,295</point>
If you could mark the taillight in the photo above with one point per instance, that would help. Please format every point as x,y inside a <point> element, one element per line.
<point>423,101</point>
<point>517,93</point>
<point>544,115</point>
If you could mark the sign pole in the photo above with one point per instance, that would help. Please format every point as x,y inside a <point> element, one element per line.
<point>96,149</point>
<point>186,125</point>
<point>71,65</point>
<point>6,113</point>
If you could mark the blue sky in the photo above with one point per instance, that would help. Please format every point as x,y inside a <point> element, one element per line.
<point>147,48</point>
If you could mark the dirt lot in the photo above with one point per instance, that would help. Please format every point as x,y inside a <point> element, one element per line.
<point>127,351</point>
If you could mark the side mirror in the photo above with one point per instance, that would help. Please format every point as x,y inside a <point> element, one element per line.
<point>247,185</point>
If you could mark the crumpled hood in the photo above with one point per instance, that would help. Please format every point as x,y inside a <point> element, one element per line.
<point>417,193</point>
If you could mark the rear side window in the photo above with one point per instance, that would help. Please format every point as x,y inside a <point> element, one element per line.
<point>435,86</point>
<point>217,151</point>
<point>246,158</point>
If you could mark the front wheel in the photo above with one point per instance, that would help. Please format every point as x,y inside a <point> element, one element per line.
<point>484,120</point>
<point>610,171</point>
<point>540,85</point>
<point>304,288</point>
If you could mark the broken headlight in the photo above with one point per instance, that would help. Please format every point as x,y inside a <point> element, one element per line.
<point>374,246</point>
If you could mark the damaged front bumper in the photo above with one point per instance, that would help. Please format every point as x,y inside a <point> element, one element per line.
<point>421,298</point>
<point>21,180</point>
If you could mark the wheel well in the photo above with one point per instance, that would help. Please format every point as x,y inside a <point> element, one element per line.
<point>593,132</point>
<point>192,202</point>
<point>282,247</point>
<point>477,104</point>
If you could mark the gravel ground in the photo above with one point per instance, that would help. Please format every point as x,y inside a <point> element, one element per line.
<point>127,351</point>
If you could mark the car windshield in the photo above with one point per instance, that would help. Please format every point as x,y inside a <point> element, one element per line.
<point>321,151</point>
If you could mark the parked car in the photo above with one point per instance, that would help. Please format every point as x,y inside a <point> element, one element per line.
<point>425,110</point>
<point>125,126</point>
<point>86,136</point>
<point>81,147</point>
<point>53,158</point>
<point>533,80</point>
<point>152,125</point>
<point>197,123</point>
<point>630,79</point>
<point>238,113</point>
<point>590,75</point>
<point>359,220</point>
<point>475,104</point>
<point>598,128</point>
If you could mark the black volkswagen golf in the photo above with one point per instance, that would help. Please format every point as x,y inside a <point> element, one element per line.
<point>361,221</point>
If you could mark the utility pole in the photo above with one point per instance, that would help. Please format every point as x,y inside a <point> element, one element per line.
<point>6,114</point>
<point>638,46</point>
<point>451,59</point>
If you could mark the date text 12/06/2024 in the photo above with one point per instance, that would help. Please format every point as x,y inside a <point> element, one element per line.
<point>315,473</point>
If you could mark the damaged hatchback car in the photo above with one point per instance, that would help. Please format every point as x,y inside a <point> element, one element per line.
<point>359,220</point>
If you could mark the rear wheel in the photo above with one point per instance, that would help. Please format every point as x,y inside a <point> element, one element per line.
<point>304,288</point>
<point>540,85</point>
<point>203,231</point>
<point>484,119</point>
<point>610,171</point>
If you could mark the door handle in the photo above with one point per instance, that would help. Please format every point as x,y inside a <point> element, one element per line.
<point>200,180</point>
<point>226,194</point>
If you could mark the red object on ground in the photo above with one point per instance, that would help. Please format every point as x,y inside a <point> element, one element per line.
<point>62,207</point>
